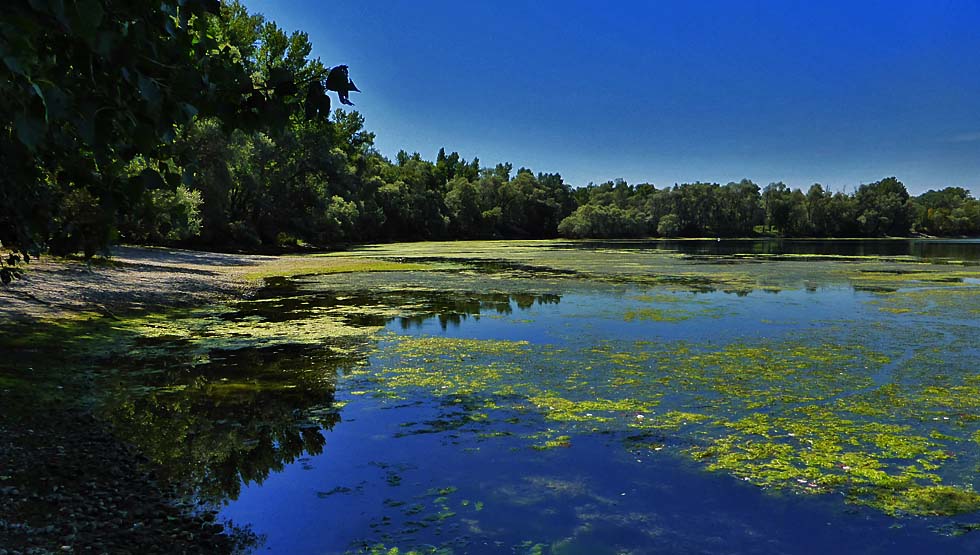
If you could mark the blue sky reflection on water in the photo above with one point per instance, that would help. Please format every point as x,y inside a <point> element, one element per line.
<point>386,468</point>
<point>573,495</point>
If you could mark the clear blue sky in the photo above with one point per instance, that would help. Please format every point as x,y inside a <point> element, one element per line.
<point>666,92</point>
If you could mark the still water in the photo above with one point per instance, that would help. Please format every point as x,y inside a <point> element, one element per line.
<point>590,398</point>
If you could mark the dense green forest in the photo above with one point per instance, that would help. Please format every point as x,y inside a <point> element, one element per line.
<point>197,123</point>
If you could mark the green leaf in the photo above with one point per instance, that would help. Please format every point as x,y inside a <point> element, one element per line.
<point>88,18</point>
<point>30,130</point>
<point>151,180</point>
<point>173,179</point>
<point>13,64</point>
<point>56,102</point>
<point>106,43</point>
<point>40,95</point>
<point>149,89</point>
<point>189,110</point>
<point>57,9</point>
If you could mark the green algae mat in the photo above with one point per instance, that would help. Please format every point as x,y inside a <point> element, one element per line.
<point>575,397</point>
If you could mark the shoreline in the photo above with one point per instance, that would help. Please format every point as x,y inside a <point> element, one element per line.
<point>67,483</point>
<point>134,279</point>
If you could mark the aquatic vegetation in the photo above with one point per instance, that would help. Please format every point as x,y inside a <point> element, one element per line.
<point>871,397</point>
<point>593,410</point>
<point>832,397</point>
<point>556,441</point>
<point>812,436</point>
<point>929,500</point>
<point>423,346</point>
<point>382,549</point>
<point>949,301</point>
<point>203,330</point>
<point>645,266</point>
<point>657,298</point>
<point>816,449</point>
<point>911,275</point>
<point>287,266</point>
<point>656,315</point>
<point>671,420</point>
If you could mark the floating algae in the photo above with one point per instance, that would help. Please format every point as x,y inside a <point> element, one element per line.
<point>833,398</point>
<point>799,414</point>
<point>860,395</point>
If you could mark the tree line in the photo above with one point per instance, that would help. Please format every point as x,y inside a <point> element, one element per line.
<point>743,209</point>
<point>198,123</point>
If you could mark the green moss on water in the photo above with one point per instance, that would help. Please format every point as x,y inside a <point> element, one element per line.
<point>914,275</point>
<point>738,273</point>
<point>951,301</point>
<point>285,266</point>
<point>219,328</point>
<point>382,549</point>
<point>816,450</point>
<point>927,500</point>
<point>671,420</point>
<point>793,415</point>
<point>814,412</point>
<point>594,410</point>
<point>657,298</point>
<point>857,408</point>
<point>559,441</point>
<point>656,315</point>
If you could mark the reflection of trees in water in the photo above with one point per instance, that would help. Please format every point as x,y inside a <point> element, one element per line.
<point>286,301</point>
<point>234,420</point>
<point>453,308</point>
<point>247,413</point>
<point>918,248</point>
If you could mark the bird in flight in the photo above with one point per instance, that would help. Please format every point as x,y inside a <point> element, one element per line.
<point>338,80</point>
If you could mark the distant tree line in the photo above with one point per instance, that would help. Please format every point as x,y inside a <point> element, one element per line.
<point>324,184</point>
<point>742,209</point>
<point>195,122</point>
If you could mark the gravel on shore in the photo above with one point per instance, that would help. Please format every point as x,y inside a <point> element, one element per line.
<point>134,279</point>
<point>67,485</point>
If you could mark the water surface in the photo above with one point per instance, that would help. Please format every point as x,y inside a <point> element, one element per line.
<point>585,398</point>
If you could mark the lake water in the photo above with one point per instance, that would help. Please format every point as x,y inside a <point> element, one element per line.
<point>566,398</point>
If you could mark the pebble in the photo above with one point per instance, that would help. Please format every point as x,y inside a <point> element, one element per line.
<point>93,491</point>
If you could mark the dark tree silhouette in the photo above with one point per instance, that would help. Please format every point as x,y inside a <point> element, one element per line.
<point>340,82</point>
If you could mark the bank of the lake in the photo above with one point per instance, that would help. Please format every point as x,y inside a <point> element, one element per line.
<point>68,482</point>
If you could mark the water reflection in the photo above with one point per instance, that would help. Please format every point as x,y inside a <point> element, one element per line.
<point>455,308</point>
<point>230,418</point>
<point>926,249</point>
<point>285,299</point>
<point>215,426</point>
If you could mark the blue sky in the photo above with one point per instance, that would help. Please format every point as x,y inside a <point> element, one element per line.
<point>840,93</point>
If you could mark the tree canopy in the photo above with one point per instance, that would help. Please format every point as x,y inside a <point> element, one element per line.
<point>196,122</point>
<point>94,92</point>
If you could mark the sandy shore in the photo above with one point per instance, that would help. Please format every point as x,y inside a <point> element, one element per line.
<point>67,485</point>
<point>133,279</point>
